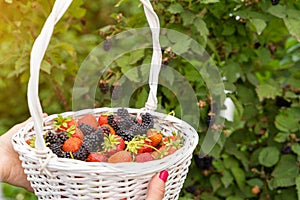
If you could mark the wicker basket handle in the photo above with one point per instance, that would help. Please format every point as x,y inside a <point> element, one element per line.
<point>40,46</point>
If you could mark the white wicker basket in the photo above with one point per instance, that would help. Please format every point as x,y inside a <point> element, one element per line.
<point>61,178</point>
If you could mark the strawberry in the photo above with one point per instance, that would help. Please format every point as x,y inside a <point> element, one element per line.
<point>120,156</point>
<point>144,157</point>
<point>172,141</point>
<point>112,144</point>
<point>155,137</point>
<point>64,123</point>
<point>163,151</point>
<point>145,147</point>
<point>103,119</point>
<point>96,157</point>
<point>139,144</point>
<point>78,134</point>
<point>88,119</point>
<point>72,144</point>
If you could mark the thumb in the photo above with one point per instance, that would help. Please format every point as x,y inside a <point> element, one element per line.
<point>156,189</point>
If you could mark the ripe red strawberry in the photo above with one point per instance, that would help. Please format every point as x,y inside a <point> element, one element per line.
<point>139,144</point>
<point>96,157</point>
<point>64,123</point>
<point>172,141</point>
<point>72,144</point>
<point>88,119</point>
<point>112,144</point>
<point>120,156</point>
<point>146,147</point>
<point>163,151</point>
<point>144,157</point>
<point>155,136</point>
<point>78,134</point>
<point>102,119</point>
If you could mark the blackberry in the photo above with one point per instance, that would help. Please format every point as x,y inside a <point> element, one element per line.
<point>191,189</point>
<point>123,112</point>
<point>86,129</point>
<point>66,155</point>
<point>93,141</point>
<point>51,138</point>
<point>62,137</point>
<point>56,149</point>
<point>281,102</point>
<point>147,120</point>
<point>274,2</point>
<point>138,129</point>
<point>82,153</point>
<point>286,149</point>
<point>103,86</point>
<point>105,129</point>
<point>112,122</point>
<point>123,124</point>
<point>203,162</point>
<point>125,134</point>
<point>107,44</point>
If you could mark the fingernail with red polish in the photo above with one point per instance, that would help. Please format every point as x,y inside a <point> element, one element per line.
<point>164,175</point>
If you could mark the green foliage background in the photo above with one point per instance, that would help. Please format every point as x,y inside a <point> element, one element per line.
<point>254,44</point>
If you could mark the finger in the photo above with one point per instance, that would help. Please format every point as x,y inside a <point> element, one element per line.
<point>156,189</point>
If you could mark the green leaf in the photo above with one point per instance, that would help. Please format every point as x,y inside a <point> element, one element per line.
<point>141,100</point>
<point>239,176</point>
<point>287,121</point>
<point>175,8</point>
<point>259,25</point>
<point>293,25</point>
<point>215,182</point>
<point>281,137</point>
<point>228,30</point>
<point>75,9</point>
<point>296,148</point>
<point>187,17</point>
<point>232,71</point>
<point>255,182</point>
<point>182,45</point>
<point>278,11</point>
<point>201,26</point>
<point>234,198</point>
<point>285,172</point>
<point>209,1</point>
<point>266,91</point>
<point>298,185</point>
<point>46,67</point>
<point>269,156</point>
<point>136,56</point>
<point>227,178</point>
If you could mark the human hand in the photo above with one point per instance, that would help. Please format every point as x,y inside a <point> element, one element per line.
<point>11,170</point>
<point>156,189</point>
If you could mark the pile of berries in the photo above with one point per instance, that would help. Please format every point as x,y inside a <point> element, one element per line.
<point>111,137</point>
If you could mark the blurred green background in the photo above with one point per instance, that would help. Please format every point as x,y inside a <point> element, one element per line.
<point>254,44</point>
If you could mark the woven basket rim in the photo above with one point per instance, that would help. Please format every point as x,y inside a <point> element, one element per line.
<point>56,163</point>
